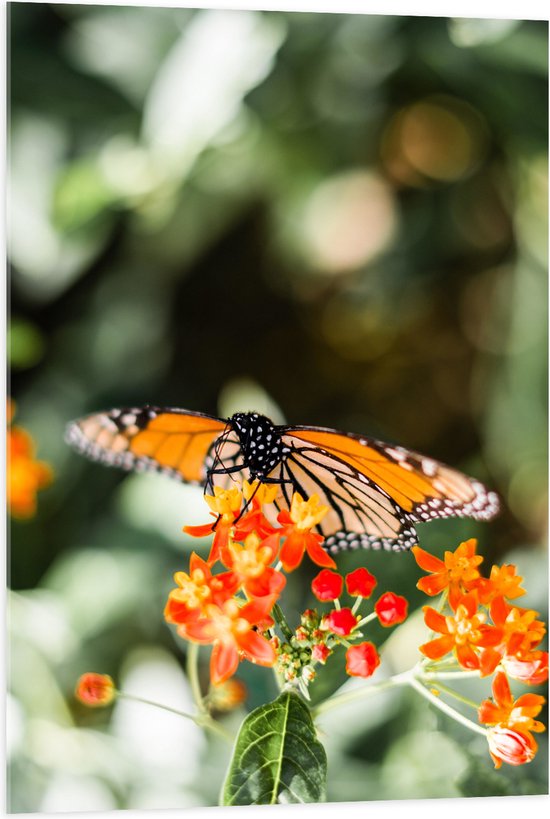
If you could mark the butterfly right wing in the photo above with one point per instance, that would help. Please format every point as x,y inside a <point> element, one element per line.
<point>175,442</point>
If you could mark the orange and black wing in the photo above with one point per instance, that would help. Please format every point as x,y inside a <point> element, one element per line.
<point>176,442</point>
<point>376,492</point>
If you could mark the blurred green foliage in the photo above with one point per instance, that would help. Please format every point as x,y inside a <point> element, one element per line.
<point>337,220</point>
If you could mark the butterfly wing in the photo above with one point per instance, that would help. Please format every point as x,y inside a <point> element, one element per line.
<point>376,492</point>
<point>176,442</point>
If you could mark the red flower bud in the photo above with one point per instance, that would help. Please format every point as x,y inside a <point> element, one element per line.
<point>362,660</point>
<point>95,690</point>
<point>532,670</point>
<point>360,583</point>
<point>513,747</point>
<point>341,621</point>
<point>391,609</point>
<point>320,652</point>
<point>327,585</point>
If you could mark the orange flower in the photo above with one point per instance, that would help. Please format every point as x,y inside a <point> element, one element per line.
<point>249,565</point>
<point>225,505</point>
<point>232,630</point>
<point>521,629</point>
<point>25,476</point>
<point>503,582</point>
<point>511,739</point>
<point>297,526</point>
<point>95,690</point>
<point>197,589</point>
<point>454,572</point>
<point>256,494</point>
<point>464,633</point>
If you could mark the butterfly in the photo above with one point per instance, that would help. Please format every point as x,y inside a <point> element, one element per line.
<point>375,492</point>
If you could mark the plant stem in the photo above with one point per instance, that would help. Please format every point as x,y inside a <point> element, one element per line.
<point>193,675</point>
<point>278,680</point>
<point>447,709</point>
<point>372,616</point>
<point>452,693</point>
<point>405,678</point>
<point>360,693</point>
<point>280,620</point>
<point>202,720</point>
<point>430,675</point>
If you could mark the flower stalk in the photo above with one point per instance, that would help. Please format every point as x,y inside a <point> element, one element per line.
<point>203,720</point>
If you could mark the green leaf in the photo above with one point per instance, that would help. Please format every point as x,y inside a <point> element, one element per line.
<point>277,757</point>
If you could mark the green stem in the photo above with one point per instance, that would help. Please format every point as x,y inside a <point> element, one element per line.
<point>203,720</point>
<point>279,618</point>
<point>452,693</point>
<point>429,675</point>
<point>406,678</point>
<point>440,665</point>
<point>193,675</point>
<point>356,605</point>
<point>447,709</point>
<point>372,616</point>
<point>279,681</point>
<point>360,693</point>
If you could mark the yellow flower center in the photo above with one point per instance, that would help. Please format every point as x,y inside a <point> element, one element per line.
<point>465,629</point>
<point>263,493</point>
<point>192,591</point>
<point>225,502</point>
<point>249,560</point>
<point>306,514</point>
<point>460,568</point>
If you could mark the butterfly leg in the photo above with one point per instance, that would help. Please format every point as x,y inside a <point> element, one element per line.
<point>224,470</point>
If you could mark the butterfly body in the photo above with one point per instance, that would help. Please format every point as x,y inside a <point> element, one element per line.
<point>375,492</point>
<point>262,446</point>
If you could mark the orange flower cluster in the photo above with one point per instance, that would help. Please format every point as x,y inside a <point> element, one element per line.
<point>25,475</point>
<point>511,640</point>
<point>489,634</point>
<point>231,609</point>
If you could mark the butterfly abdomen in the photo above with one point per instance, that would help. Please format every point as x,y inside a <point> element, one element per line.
<point>262,446</point>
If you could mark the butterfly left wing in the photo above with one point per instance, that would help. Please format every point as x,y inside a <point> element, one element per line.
<point>176,442</point>
<point>377,492</point>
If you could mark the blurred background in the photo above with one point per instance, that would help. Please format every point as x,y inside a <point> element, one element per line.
<point>336,220</point>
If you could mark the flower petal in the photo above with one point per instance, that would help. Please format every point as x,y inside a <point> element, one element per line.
<point>433,584</point>
<point>501,691</point>
<point>488,661</point>
<point>317,553</point>
<point>258,609</point>
<point>426,561</point>
<point>257,648</point>
<point>467,657</point>
<point>437,648</point>
<point>223,662</point>
<point>435,621</point>
<point>292,552</point>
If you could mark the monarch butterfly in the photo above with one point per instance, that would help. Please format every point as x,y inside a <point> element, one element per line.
<point>375,492</point>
